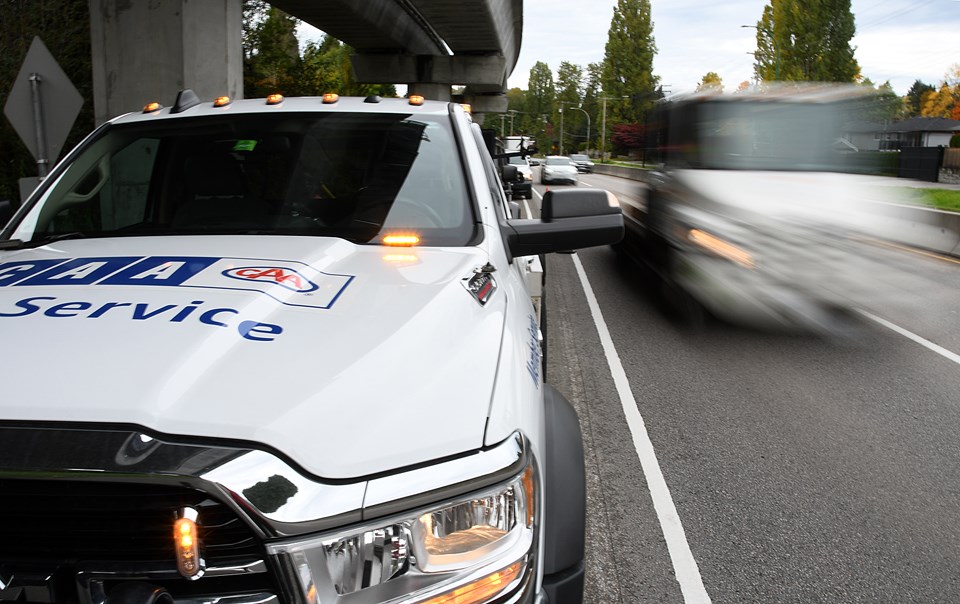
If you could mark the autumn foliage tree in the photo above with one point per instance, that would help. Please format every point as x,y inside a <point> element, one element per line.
<point>627,138</point>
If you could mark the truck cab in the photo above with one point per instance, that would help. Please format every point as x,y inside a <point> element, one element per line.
<point>285,350</point>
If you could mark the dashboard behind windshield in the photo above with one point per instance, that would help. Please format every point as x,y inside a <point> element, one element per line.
<point>353,176</point>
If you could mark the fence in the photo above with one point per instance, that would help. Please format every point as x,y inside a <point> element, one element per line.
<point>920,163</point>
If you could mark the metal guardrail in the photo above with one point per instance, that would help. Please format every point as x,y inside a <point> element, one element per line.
<point>917,226</point>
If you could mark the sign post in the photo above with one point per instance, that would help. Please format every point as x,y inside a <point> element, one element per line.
<point>41,107</point>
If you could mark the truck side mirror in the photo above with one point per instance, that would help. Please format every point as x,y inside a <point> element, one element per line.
<point>508,173</point>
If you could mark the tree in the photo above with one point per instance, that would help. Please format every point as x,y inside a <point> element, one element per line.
<point>591,100</point>
<point>541,94</point>
<point>913,101</point>
<point>628,62</point>
<point>806,40</point>
<point>570,94</point>
<point>274,63</point>
<point>710,81</point>
<point>938,103</point>
<point>628,137</point>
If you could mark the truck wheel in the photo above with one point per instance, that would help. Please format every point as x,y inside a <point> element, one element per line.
<point>564,524</point>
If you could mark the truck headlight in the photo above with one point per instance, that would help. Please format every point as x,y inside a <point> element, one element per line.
<point>720,247</point>
<point>463,551</point>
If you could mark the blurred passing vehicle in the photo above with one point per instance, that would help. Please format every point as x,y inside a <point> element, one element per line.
<point>582,162</point>
<point>753,215</point>
<point>558,168</point>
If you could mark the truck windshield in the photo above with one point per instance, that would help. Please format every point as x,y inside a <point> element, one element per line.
<point>352,176</point>
<point>768,136</point>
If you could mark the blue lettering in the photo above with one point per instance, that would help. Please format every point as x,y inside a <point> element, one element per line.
<point>67,309</point>
<point>248,329</point>
<point>208,317</point>
<point>160,270</point>
<point>28,308</point>
<point>103,309</point>
<point>183,314</point>
<point>81,271</point>
<point>11,272</point>
<point>140,312</point>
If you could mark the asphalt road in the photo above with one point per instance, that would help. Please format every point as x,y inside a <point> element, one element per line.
<point>763,467</point>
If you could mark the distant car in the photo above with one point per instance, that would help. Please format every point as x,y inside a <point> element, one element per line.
<point>534,161</point>
<point>558,168</point>
<point>583,162</point>
<point>523,187</point>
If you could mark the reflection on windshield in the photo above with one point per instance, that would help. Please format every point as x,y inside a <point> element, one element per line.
<point>354,176</point>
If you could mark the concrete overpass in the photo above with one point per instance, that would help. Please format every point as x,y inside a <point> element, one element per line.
<point>146,51</point>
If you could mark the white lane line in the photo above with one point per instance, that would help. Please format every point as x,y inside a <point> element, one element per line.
<point>907,334</point>
<point>526,206</point>
<point>684,565</point>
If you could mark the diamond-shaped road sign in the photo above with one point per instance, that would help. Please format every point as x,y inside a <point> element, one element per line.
<point>42,106</point>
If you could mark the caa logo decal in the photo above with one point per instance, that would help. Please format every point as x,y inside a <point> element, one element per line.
<point>289,282</point>
<point>284,277</point>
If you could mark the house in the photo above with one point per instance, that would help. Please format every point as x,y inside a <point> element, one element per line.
<point>892,136</point>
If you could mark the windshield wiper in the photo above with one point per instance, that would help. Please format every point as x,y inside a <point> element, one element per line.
<point>19,244</point>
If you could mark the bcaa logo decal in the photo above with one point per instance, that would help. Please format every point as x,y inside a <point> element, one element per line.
<point>284,277</point>
<point>289,282</point>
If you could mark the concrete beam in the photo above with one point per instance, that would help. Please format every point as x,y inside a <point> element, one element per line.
<point>405,69</point>
<point>148,51</point>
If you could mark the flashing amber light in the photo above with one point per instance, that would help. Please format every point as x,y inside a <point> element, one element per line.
<point>481,590</point>
<point>416,99</point>
<point>221,101</point>
<point>187,545</point>
<point>330,97</point>
<point>274,99</point>
<point>721,248</point>
<point>401,240</point>
<point>467,107</point>
<point>151,107</point>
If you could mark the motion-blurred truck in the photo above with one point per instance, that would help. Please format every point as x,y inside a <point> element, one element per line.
<point>754,213</point>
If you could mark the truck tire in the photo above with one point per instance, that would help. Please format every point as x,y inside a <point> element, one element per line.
<point>564,524</point>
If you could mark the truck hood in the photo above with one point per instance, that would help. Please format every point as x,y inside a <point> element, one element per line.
<point>349,360</point>
<point>844,200</point>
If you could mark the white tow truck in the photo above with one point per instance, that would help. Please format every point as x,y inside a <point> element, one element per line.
<point>283,350</point>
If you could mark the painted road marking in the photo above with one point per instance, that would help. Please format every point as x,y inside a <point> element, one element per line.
<point>684,565</point>
<point>912,336</point>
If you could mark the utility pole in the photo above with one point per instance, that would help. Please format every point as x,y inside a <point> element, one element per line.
<point>776,49</point>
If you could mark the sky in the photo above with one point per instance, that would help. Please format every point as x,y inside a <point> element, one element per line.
<point>896,40</point>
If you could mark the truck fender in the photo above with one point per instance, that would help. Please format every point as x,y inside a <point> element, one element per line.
<point>565,521</point>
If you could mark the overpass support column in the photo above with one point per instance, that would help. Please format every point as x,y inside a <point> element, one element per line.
<point>148,51</point>
<point>430,91</point>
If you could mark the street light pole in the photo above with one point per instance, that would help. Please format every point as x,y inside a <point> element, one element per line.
<point>776,49</point>
<point>561,128</point>
<point>581,110</point>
